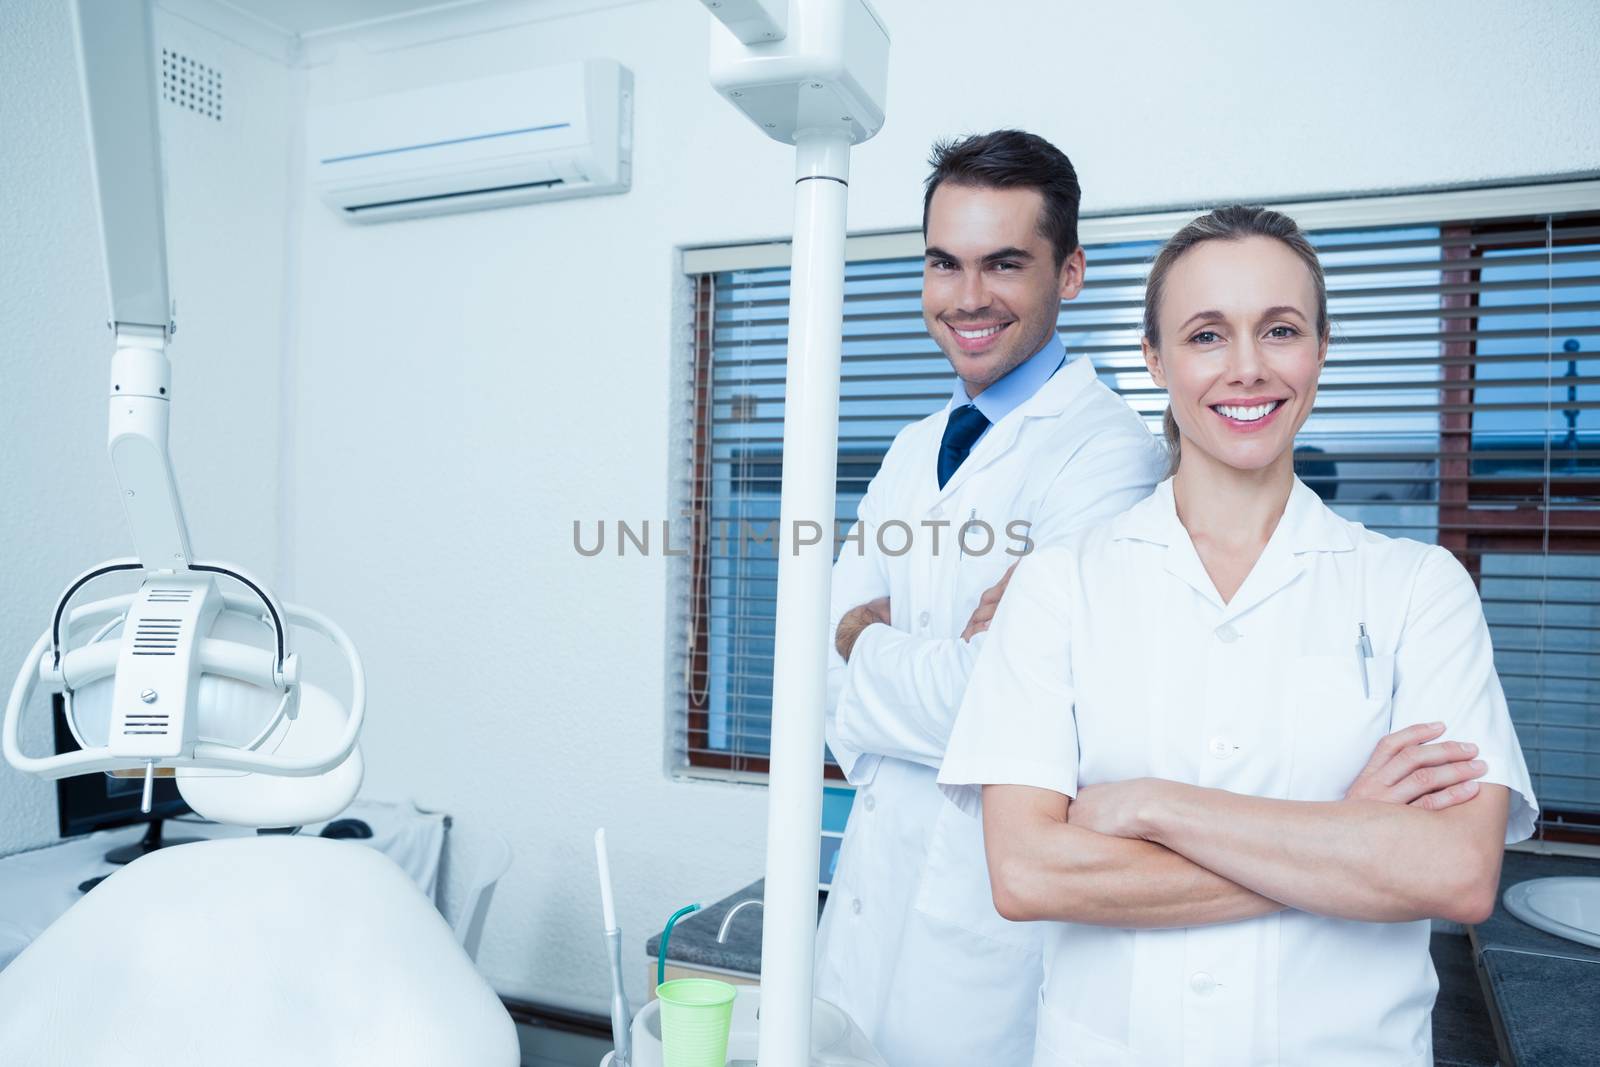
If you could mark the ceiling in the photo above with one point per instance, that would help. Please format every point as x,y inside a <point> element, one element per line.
<point>308,17</point>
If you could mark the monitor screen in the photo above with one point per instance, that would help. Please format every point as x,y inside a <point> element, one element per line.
<point>89,802</point>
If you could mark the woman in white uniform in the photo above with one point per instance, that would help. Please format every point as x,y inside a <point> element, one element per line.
<point>1172,706</point>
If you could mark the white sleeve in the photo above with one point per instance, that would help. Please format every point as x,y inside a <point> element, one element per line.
<point>1111,473</point>
<point>859,576</point>
<point>1016,724</point>
<point>899,697</point>
<point>900,692</point>
<point>1444,672</point>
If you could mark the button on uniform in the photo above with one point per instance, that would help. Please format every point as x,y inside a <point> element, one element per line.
<point>1219,747</point>
<point>1202,984</point>
<point>855,905</point>
<point>869,802</point>
<point>922,620</point>
<point>1227,634</point>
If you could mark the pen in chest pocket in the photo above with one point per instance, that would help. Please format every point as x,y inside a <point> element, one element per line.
<point>1363,642</point>
<point>1363,653</point>
<point>961,544</point>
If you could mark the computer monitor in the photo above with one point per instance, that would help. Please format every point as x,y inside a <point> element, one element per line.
<point>89,802</point>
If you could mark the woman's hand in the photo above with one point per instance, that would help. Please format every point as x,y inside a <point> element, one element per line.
<point>988,604</point>
<point>1405,769</point>
<point>1118,809</point>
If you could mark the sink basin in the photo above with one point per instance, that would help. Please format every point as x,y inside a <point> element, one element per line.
<point>836,1041</point>
<point>1566,907</point>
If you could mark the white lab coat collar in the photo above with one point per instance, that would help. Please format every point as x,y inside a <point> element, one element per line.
<point>1051,398</point>
<point>1307,526</point>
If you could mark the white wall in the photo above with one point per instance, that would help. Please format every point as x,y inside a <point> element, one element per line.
<point>227,191</point>
<point>466,386</point>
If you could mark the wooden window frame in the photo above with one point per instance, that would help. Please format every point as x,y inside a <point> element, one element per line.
<point>1518,518</point>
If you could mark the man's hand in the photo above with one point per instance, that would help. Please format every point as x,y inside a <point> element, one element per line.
<point>857,619</point>
<point>1404,769</point>
<point>987,603</point>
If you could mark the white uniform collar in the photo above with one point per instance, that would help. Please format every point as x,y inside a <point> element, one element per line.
<point>1052,398</point>
<point>1307,526</point>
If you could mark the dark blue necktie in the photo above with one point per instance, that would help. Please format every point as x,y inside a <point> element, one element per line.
<point>966,424</point>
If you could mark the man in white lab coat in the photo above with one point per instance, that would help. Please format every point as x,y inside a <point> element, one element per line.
<point>1030,447</point>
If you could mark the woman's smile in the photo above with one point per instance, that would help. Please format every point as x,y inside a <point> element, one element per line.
<point>1249,415</point>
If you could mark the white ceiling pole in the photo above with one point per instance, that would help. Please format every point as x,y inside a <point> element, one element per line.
<point>805,560</point>
<point>814,74</point>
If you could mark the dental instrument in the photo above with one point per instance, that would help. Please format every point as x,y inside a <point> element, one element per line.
<point>621,1016</point>
<point>666,936</point>
<point>727,920</point>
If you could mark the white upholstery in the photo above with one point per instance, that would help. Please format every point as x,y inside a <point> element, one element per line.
<point>247,951</point>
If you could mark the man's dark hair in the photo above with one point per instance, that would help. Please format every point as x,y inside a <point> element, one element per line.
<point>1012,159</point>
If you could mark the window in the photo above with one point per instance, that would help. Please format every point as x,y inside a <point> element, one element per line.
<point>1460,405</point>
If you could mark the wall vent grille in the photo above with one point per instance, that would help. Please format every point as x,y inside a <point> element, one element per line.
<point>188,83</point>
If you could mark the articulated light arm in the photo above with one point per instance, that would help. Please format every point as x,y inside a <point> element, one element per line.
<point>158,710</point>
<point>117,63</point>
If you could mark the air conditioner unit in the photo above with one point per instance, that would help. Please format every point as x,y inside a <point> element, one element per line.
<point>546,134</point>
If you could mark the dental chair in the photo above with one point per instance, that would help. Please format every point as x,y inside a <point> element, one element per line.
<point>244,951</point>
<point>274,949</point>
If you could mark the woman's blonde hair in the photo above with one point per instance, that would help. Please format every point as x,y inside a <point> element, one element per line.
<point>1233,223</point>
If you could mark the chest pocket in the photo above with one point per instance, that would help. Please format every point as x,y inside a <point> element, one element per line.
<point>1336,723</point>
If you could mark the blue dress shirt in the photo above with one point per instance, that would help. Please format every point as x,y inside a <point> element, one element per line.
<point>1013,390</point>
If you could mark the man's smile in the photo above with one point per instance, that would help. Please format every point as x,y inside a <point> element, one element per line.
<point>977,337</point>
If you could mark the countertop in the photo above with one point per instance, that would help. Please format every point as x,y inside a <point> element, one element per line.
<point>694,939</point>
<point>1506,931</point>
<point>1545,989</point>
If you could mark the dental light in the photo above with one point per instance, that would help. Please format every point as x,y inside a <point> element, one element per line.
<point>201,683</point>
<point>252,951</point>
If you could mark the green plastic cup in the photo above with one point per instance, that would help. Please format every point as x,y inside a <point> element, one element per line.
<point>695,1016</point>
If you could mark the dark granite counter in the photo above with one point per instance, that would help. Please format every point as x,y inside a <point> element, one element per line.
<point>1462,1033</point>
<point>694,939</point>
<point>1504,930</point>
<point>1549,1007</point>
<point>1545,989</point>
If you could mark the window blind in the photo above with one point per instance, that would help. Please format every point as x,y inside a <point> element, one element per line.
<point>1460,405</point>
